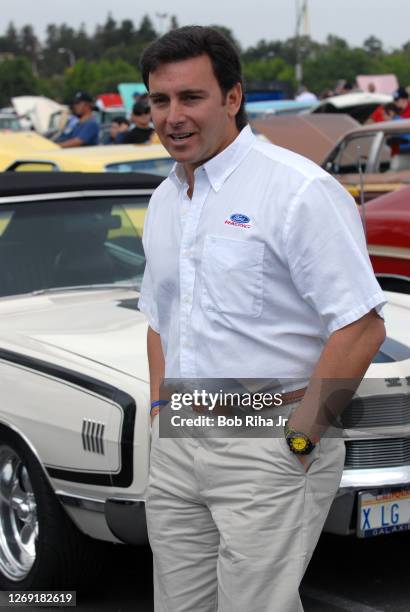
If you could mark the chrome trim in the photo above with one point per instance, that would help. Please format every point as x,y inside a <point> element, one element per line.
<point>92,435</point>
<point>374,478</point>
<point>388,251</point>
<point>66,195</point>
<point>19,517</point>
<point>81,501</point>
<point>93,503</point>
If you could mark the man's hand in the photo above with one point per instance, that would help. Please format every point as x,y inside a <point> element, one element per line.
<point>339,371</point>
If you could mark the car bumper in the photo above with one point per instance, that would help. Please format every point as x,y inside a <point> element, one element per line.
<point>342,517</point>
<point>113,520</point>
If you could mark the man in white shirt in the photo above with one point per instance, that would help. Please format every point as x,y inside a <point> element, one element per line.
<point>256,268</point>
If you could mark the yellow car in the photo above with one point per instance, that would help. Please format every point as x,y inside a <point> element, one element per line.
<point>152,159</point>
<point>17,144</point>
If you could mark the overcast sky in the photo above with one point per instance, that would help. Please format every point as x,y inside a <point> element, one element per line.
<point>250,21</point>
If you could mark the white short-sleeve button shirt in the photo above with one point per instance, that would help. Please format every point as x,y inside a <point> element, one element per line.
<point>250,277</point>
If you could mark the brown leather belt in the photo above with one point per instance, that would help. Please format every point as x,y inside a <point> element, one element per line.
<point>292,396</point>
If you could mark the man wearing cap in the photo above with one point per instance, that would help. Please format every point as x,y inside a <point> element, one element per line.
<point>401,100</point>
<point>85,131</point>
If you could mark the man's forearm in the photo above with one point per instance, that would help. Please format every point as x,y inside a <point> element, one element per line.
<point>341,366</point>
<point>156,363</point>
<point>72,142</point>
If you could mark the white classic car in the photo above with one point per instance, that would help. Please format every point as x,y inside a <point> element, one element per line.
<point>74,423</point>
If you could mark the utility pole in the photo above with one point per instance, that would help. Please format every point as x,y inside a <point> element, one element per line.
<point>70,53</point>
<point>161,18</point>
<point>302,16</point>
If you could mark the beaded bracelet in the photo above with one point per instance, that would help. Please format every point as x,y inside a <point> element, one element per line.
<point>156,406</point>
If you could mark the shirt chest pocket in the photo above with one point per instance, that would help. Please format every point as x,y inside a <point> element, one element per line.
<point>232,276</point>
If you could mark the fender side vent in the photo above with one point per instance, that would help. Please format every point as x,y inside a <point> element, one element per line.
<point>92,435</point>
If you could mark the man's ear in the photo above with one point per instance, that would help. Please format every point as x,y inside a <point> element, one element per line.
<point>234,99</point>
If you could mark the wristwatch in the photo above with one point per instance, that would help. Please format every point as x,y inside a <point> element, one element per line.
<point>298,442</point>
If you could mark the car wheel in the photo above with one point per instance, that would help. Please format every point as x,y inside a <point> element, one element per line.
<point>40,547</point>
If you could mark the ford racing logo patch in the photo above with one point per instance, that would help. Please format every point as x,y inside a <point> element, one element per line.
<point>238,220</point>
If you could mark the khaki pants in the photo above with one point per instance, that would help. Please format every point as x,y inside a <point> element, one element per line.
<point>233,522</point>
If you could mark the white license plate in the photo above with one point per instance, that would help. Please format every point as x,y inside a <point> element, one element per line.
<point>383,511</point>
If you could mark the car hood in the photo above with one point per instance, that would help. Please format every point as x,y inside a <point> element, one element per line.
<point>104,326</point>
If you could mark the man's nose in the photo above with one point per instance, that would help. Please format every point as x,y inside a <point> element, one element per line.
<point>175,112</point>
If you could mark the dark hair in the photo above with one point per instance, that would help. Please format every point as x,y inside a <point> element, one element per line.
<point>193,41</point>
<point>141,106</point>
<point>401,93</point>
<point>120,120</point>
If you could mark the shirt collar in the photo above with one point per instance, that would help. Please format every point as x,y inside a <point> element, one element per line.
<point>220,167</point>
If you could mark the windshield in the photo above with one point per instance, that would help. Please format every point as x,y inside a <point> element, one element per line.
<point>161,166</point>
<point>71,243</point>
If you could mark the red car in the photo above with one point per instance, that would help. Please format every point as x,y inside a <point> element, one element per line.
<point>388,239</point>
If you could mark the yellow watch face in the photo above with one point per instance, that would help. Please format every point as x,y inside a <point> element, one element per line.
<point>299,443</point>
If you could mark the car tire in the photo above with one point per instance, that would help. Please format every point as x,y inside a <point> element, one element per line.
<point>40,547</point>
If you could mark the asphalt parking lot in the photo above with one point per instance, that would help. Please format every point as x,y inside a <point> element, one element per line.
<point>345,574</point>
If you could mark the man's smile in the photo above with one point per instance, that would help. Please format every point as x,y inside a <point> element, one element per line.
<point>181,136</point>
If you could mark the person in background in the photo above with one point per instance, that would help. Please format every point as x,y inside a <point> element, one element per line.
<point>391,112</point>
<point>142,131</point>
<point>400,143</point>
<point>306,96</point>
<point>118,130</point>
<point>401,99</point>
<point>85,131</point>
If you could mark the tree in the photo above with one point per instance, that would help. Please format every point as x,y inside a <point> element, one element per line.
<point>373,46</point>
<point>263,50</point>
<point>146,32</point>
<point>126,32</point>
<point>271,69</point>
<point>98,77</point>
<point>9,43</point>
<point>16,79</point>
<point>336,62</point>
<point>398,64</point>
<point>227,32</point>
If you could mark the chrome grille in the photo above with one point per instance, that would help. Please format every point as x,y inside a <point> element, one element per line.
<point>378,411</point>
<point>383,452</point>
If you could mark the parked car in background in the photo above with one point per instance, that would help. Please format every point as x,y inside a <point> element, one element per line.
<point>42,114</point>
<point>153,159</point>
<point>266,108</point>
<point>388,239</point>
<point>313,136</point>
<point>10,121</point>
<point>372,147</point>
<point>14,144</point>
<point>359,105</point>
<point>74,410</point>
